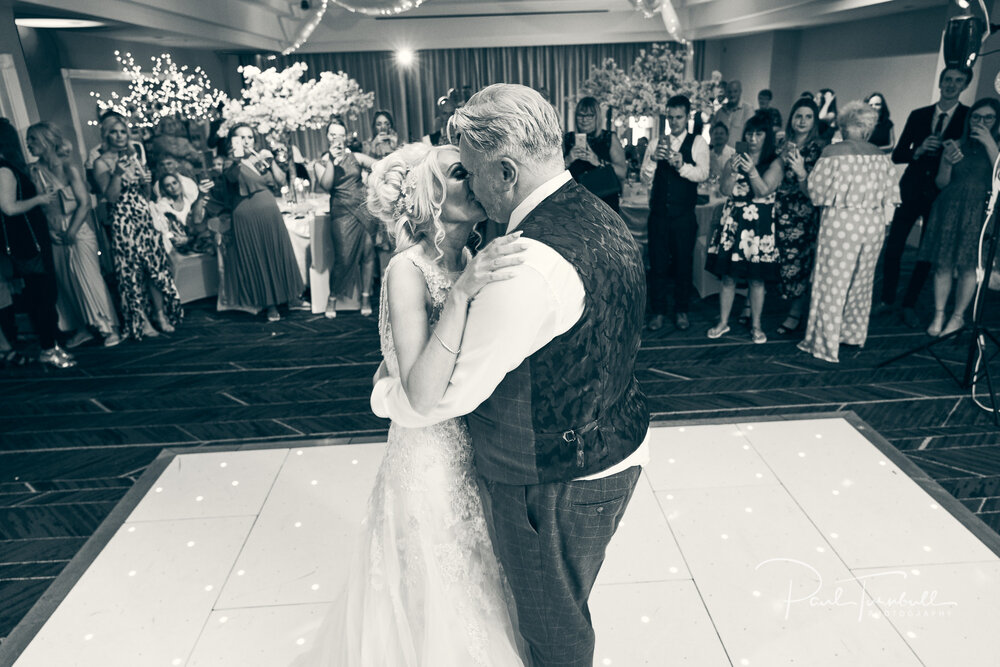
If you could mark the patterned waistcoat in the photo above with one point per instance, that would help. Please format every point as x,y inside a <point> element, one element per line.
<point>574,407</point>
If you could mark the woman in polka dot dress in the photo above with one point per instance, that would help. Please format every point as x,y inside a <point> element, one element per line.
<point>854,182</point>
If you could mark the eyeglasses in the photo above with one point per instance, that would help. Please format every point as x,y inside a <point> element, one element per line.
<point>586,115</point>
<point>979,118</point>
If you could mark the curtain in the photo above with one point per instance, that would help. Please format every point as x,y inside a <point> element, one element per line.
<point>410,93</point>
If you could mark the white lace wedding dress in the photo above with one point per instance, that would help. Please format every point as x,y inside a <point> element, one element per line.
<point>425,588</point>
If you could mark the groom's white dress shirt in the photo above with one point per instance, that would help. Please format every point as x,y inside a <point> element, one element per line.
<point>508,321</point>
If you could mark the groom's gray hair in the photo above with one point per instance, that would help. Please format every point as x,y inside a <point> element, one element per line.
<point>512,120</point>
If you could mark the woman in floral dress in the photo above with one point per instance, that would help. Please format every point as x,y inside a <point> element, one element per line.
<point>743,246</point>
<point>853,182</point>
<point>796,220</point>
<point>145,275</point>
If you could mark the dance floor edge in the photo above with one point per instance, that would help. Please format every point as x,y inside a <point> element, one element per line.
<point>808,540</point>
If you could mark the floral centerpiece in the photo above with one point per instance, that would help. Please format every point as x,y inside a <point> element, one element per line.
<point>654,77</point>
<point>276,104</point>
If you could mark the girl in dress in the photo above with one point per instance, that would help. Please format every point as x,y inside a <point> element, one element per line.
<point>145,275</point>
<point>261,272</point>
<point>853,182</point>
<point>84,299</point>
<point>952,238</point>
<point>743,246</point>
<point>352,227</point>
<point>25,244</point>
<point>796,220</point>
<point>425,588</point>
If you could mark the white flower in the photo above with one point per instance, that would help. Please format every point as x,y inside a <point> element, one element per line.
<point>749,244</point>
<point>750,212</point>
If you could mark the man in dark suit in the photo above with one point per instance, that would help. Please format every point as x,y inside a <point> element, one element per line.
<point>919,147</point>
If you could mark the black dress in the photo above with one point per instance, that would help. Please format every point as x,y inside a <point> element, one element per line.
<point>600,143</point>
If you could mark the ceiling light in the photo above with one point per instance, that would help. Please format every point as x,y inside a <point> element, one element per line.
<point>58,24</point>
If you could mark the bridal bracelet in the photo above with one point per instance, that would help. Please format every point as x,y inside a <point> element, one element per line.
<point>444,344</point>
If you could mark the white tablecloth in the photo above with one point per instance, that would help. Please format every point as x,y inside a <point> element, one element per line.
<point>309,230</point>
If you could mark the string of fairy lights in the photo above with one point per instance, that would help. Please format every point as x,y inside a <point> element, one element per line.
<point>166,90</point>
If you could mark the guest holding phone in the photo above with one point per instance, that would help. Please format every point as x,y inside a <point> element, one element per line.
<point>957,216</point>
<point>595,157</point>
<point>743,247</point>
<point>384,139</point>
<point>144,273</point>
<point>260,270</point>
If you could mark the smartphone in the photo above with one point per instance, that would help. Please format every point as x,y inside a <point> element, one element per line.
<point>742,147</point>
<point>580,139</point>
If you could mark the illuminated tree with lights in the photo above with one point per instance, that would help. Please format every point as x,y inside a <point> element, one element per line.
<point>166,90</point>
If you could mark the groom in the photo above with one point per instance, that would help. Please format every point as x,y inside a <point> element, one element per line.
<point>546,372</point>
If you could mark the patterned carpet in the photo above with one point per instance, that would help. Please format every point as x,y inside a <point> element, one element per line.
<point>72,443</point>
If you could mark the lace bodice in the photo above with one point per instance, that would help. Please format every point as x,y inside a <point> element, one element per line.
<point>439,283</point>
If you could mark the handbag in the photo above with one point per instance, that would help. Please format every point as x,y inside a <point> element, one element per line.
<point>21,266</point>
<point>602,181</point>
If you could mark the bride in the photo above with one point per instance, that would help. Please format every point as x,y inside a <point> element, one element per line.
<point>425,588</point>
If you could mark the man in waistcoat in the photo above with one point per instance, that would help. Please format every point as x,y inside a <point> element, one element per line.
<point>674,166</point>
<point>546,372</point>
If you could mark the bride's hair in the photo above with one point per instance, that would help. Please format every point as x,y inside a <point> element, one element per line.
<point>406,190</point>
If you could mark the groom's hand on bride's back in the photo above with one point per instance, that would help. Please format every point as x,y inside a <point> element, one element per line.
<point>493,263</point>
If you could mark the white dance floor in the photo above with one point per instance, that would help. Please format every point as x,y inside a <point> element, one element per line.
<point>808,542</point>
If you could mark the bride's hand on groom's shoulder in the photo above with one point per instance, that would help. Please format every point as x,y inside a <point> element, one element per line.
<point>492,264</point>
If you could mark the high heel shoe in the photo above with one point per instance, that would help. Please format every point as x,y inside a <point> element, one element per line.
<point>366,305</point>
<point>272,314</point>
<point>57,358</point>
<point>936,324</point>
<point>331,308</point>
<point>148,330</point>
<point>789,326</point>
<point>163,323</point>
<point>955,323</point>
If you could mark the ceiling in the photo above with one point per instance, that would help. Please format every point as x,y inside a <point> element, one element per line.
<point>271,25</point>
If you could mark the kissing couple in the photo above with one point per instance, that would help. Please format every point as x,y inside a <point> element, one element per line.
<point>518,427</point>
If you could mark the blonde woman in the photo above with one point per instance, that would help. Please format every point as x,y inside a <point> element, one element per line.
<point>425,581</point>
<point>84,299</point>
<point>145,275</point>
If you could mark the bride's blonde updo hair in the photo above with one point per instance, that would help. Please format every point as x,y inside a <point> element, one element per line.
<point>406,190</point>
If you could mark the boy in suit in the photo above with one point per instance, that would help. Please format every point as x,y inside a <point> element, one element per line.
<point>919,147</point>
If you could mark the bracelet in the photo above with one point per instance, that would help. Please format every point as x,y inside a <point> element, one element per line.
<point>445,345</point>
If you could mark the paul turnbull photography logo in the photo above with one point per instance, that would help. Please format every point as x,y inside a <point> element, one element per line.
<point>895,599</point>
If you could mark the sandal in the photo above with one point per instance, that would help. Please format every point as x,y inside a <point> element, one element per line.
<point>937,324</point>
<point>956,323</point>
<point>163,323</point>
<point>331,308</point>
<point>758,336</point>
<point>366,305</point>
<point>785,328</point>
<point>718,330</point>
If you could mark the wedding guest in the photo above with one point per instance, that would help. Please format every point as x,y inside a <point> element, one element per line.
<point>168,164</point>
<point>181,219</point>
<point>853,182</point>
<point>951,241</point>
<point>260,269</point>
<point>884,136</point>
<point>919,148</point>
<point>674,166</point>
<point>384,138</point>
<point>84,302</point>
<point>720,152</point>
<point>26,249</point>
<point>796,220</point>
<point>143,270</point>
<point>599,153</point>
<point>171,139</point>
<point>764,99</point>
<point>444,110</point>
<point>743,247</point>
<point>734,114</point>
<point>353,228</point>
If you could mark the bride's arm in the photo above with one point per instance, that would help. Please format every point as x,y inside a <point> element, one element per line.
<point>427,355</point>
